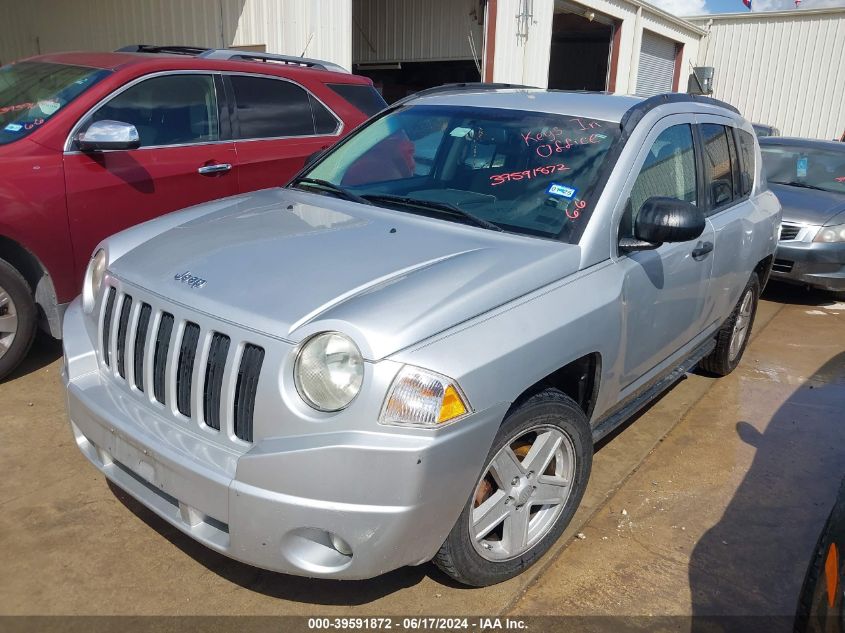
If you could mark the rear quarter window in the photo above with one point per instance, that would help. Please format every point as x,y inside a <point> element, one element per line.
<point>364,97</point>
<point>746,153</point>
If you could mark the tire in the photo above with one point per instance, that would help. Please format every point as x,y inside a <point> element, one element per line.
<point>18,317</point>
<point>724,358</point>
<point>547,420</point>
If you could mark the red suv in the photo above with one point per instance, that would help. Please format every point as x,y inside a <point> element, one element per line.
<point>92,143</point>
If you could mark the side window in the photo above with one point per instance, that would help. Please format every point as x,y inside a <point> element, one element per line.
<point>169,110</point>
<point>324,121</point>
<point>668,171</point>
<point>270,108</point>
<point>746,152</point>
<point>717,164</point>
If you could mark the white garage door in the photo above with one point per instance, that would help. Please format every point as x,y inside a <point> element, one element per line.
<point>657,65</point>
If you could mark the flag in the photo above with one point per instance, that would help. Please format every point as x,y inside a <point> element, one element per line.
<point>747,3</point>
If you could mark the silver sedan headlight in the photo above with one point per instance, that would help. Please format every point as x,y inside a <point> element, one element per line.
<point>93,282</point>
<point>329,371</point>
<point>829,234</point>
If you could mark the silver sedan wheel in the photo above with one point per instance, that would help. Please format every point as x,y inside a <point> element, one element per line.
<point>743,320</point>
<point>8,322</point>
<point>522,493</point>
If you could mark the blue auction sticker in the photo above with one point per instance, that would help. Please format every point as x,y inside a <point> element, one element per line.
<point>801,167</point>
<point>561,191</point>
<point>13,127</point>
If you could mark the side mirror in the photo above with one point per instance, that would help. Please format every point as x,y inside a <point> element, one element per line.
<point>105,135</point>
<point>664,220</point>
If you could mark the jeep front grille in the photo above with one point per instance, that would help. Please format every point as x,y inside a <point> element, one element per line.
<point>135,334</point>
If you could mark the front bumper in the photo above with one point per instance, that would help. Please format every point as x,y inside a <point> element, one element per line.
<point>815,264</point>
<point>391,496</point>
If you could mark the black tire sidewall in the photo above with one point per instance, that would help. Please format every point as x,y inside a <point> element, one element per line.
<point>753,286</point>
<point>551,410</point>
<point>14,284</point>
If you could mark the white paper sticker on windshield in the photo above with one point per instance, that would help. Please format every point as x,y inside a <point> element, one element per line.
<point>50,107</point>
<point>13,127</point>
<point>461,132</point>
<point>562,191</point>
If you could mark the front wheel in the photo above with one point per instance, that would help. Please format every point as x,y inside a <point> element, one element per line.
<point>531,484</point>
<point>732,339</point>
<point>17,318</point>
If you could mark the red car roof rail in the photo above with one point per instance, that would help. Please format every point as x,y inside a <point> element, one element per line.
<point>232,54</point>
<point>229,54</point>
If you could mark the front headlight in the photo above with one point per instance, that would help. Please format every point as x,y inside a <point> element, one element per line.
<point>93,282</point>
<point>829,234</point>
<point>329,371</point>
<point>419,397</point>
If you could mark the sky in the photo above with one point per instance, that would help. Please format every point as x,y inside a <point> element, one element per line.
<point>697,7</point>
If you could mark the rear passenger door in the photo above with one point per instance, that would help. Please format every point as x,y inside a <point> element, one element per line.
<point>728,181</point>
<point>666,290</point>
<point>277,125</point>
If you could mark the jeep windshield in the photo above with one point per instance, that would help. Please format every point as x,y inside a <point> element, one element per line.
<point>524,172</point>
<point>33,92</point>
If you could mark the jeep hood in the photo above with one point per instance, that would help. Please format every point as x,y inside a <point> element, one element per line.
<point>289,263</point>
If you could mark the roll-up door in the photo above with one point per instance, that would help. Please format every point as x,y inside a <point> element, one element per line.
<point>657,65</point>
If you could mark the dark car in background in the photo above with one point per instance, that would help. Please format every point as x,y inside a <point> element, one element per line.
<point>808,176</point>
<point>763,131</point>
<point>92,143</point>
<point>821,606</point>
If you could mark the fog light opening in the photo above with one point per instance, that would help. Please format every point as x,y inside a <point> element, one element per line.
<point>340,545</point>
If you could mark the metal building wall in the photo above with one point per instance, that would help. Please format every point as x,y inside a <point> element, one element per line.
<point>785,69</point>
<point>415,30</point>
<point>283,26</point>
<point>523,44</point>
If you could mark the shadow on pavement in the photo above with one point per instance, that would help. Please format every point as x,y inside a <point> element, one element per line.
<point>747,563</point>
<point>797,295</point>
<point>45,350</point>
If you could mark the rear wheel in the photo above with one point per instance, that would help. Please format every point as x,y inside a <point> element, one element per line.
<point>732,339</point>
<point>531,484</point>
<point>17,318</point>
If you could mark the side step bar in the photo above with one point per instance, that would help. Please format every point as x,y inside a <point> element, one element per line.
<point>616,418</point>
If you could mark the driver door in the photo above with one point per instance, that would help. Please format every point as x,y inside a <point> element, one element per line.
<point>665,290</point>
<point>183,159</point>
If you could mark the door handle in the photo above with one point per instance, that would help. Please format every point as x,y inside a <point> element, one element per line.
<point>701,250</point>
<point>210,170</point>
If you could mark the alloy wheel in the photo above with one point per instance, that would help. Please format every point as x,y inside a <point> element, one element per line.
<point>522,493</point>
<point>8,322</point>
<point>743,320</point>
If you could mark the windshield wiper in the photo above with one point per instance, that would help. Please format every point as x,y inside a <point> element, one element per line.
<point>330,186</point>
<point>445,207</point>
<point>795,183</point>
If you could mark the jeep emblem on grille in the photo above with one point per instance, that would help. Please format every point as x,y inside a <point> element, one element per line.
<point>192,280</point>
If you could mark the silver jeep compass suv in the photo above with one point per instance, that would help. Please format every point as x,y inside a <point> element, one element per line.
<point>408,353</point>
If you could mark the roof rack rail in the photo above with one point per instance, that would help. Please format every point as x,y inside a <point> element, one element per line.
<point>231,54</point>
<point>467,85</point>
<point>236,55</point>
<point>149,48</point>
<point>637,112</point>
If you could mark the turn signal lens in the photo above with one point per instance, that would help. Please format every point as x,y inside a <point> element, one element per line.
<point>422,398</point>
<point>831,573</point>
<point>452,407</point>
